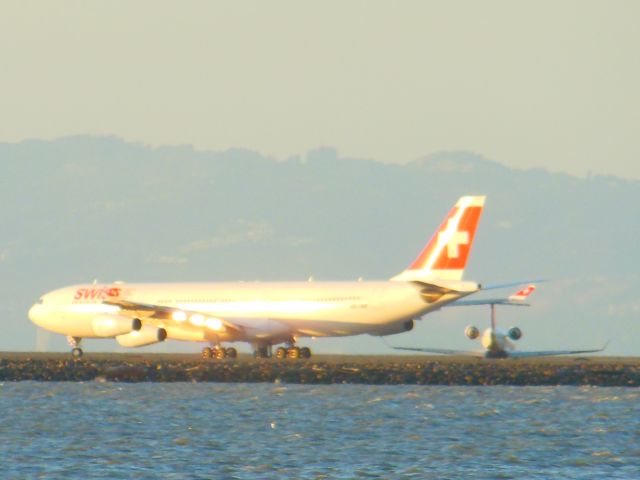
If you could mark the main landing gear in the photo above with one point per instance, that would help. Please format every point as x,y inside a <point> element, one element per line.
<point>76,351</point>
<point>290,351</point>
<point>293,352</point>
<point>219,352</point>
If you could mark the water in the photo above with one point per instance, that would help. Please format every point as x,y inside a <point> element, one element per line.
<point>109,430</point>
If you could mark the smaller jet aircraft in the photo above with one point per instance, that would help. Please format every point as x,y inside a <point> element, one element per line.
<point>496,342</point>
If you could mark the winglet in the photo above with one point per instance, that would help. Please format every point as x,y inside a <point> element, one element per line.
<point>446,254</point>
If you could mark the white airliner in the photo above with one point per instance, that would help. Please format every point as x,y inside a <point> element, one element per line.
<point>266,314</point>
<point>497,343</point>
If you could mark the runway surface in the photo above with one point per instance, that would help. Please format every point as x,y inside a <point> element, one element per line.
<point>322,369</point>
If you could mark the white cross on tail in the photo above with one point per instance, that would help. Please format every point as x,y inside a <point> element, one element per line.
<point>453,239</point>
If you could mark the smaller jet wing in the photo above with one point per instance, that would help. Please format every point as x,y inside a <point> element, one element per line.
<point>442,351</point>
<point>551,353</point>
<point>164,313</point>
<point>511,354</point>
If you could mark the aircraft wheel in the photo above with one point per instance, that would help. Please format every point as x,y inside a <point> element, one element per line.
<point>207,352</point>
<point>281,353</point>
<point>220,353</point>
<point>293,352</point>
<point>305,352</point>
<point>231,352</point>
<point>76,352</point>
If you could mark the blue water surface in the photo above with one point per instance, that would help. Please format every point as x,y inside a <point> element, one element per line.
<point>247,431</point>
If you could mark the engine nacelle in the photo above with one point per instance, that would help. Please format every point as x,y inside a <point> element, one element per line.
<point>472,332</point>
<point>109,325</point>
<point>515,333</point>
<point>393,328</point>
<point>147,335</point>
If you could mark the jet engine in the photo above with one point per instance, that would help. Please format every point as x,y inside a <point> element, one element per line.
<point>472,332</point>
<point>393,328</point>
<point>515,333</point>
<point>113,325</point>
<point>147,335</point>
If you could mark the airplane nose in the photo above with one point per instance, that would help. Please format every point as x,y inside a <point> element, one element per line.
<point>34,313</point>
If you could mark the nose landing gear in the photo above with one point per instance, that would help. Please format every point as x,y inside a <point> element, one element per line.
<point>76,351</point>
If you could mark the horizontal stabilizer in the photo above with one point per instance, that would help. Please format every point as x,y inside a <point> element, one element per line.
<point>517,299</point>
<point>497,286</point>
<point>488,301</point>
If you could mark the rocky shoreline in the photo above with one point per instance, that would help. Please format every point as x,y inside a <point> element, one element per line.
<point>394,370</point>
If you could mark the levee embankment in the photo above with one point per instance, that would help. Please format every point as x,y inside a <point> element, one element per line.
<point>322,369</point>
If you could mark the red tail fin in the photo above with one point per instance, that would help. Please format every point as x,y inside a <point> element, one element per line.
<point>446,254</point>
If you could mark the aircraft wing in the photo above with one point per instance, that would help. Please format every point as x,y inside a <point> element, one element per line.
<point>442,351</point>
<point>170,315</point>
<point>551,353</point>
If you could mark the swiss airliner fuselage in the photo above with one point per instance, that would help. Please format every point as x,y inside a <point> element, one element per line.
<point>261,311</point>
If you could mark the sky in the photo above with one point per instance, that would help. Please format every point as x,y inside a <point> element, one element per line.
<point>552,84</point>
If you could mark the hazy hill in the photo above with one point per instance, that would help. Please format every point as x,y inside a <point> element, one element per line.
<point>85,207</point>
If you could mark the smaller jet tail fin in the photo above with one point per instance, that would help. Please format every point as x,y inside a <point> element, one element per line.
<point>518,299</point>
<point>521,295</point>
<point>446,254</point>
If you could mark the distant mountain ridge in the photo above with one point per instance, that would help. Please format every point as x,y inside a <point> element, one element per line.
<point>82,207</point>
<point>457,161</point>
